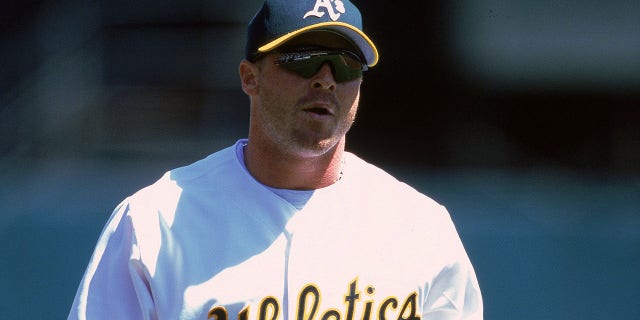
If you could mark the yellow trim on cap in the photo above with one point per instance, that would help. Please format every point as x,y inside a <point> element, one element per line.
<point>275,43</point>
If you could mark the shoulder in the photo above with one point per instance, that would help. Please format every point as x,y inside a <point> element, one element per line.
<point>394,207</point>
<point>394,200</point>
<point>376,181</point>
<point>218,163</point>
<point>163,196</point>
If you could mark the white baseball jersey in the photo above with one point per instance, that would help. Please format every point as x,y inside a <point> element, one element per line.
<point>207,241</point>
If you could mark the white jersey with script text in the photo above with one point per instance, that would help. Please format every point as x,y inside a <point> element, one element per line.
<point>207,241</point>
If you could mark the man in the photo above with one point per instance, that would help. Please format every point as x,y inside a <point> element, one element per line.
<point>285,224</point>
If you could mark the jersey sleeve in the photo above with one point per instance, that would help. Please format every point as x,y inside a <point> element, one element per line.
<point>115,285</point>
<point>453,293</point>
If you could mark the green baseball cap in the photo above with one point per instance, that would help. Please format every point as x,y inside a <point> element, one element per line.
<point>279,21</point>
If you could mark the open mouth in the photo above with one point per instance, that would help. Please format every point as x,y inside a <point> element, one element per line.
<point>320,111</point>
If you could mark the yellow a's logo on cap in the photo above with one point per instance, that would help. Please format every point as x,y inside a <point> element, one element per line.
<point>329,6</point>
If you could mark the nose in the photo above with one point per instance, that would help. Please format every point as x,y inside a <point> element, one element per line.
<point>324,79</point>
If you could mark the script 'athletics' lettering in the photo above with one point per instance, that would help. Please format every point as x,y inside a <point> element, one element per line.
<point>309,300</point>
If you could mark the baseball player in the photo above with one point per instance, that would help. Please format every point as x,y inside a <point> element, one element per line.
<point>285,224</point>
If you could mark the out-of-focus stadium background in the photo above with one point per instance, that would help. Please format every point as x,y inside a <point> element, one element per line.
<point>522,117</point>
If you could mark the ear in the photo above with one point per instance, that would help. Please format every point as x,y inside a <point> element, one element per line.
<point>249,77</point>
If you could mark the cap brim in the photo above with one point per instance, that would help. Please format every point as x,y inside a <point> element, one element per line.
<point>363,42</point>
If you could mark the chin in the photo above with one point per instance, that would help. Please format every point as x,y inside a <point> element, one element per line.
<point>316,148</point>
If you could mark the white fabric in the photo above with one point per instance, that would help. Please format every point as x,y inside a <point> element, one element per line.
<point>207,241</point>
<point>298,198</point>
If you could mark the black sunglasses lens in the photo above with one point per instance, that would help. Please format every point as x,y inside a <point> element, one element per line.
<point>344,66</point>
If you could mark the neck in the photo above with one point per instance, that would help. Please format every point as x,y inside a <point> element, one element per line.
<point>275,168</point>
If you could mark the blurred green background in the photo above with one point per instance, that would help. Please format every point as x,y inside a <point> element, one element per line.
<point>522,117</point>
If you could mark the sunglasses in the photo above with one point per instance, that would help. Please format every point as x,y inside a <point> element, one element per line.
<point>345,65</point>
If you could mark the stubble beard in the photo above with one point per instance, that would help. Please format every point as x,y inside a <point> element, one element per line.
<point>305,139</point>
<point>282,125</point>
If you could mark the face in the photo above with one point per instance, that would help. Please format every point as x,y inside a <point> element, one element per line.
<point>302,116</point>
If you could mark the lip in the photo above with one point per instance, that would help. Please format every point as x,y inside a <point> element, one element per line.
<point>320,109</point>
